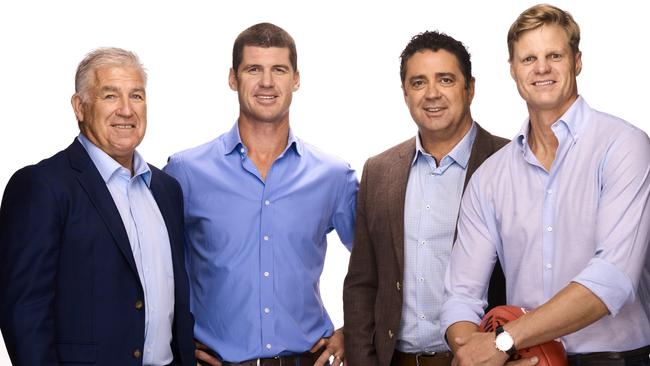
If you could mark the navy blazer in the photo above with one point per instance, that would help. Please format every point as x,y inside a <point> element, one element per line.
<point>69,288</point>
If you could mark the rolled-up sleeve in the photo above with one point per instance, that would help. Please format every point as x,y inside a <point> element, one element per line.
<point>623,223</point>
<point>472,259</point>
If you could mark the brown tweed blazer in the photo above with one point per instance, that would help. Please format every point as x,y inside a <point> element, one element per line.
<point>372,295</point>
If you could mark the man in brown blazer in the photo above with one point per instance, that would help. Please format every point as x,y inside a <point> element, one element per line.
<point>407,210</point>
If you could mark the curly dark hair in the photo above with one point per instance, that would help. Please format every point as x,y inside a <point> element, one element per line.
<point>436,41</point>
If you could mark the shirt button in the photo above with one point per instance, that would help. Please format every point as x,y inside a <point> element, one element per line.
<point>137,353</point>
<point>550,191</point>
<point>266,274</point>
<point>421,279</point>
<point>266,238</point>
<point>242,150</point>
<point>390,334</point>
<point>549,266</point>
<point>423,242</point>
<point>139,304</point>
<point>398,285</point>
<point>550,228</point>
<point>422,316</point>
<point>268,346</point>
<point>267,202</point>
<point>427,206</point>
<point>267,310</point>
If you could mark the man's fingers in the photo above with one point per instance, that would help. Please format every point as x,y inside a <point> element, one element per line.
<point>205,358</point>
<point>322,359</point>
<point>321,342</point>
<point>524,362</point>
<point>338,361</point>
<point>460,341</point>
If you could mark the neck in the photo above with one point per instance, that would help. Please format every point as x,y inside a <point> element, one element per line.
<point>542,140</point>
<point>265,141</point>
<point>126,161</point>
<point>440,143</point>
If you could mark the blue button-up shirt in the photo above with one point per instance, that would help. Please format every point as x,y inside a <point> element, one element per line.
<point>149,240</point>
<point>587,220</point>
<point>433,196</point>
<point>256,247</point>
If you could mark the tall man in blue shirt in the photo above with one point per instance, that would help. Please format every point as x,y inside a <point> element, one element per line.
<point>259,203</point>
<point>408,207</point>
<point>565,207</point>
<point>91,239</point>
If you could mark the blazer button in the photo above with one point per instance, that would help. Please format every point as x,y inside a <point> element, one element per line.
<point>137,353</point>
<point>390,334</point>
<point>139,304</point>
<point>399,287</point>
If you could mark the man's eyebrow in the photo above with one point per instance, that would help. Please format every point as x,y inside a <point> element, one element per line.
<point>445,74</point>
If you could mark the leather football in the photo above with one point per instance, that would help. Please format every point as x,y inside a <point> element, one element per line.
<point>549,354</point>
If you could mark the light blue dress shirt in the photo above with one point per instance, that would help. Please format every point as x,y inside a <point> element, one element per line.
<point>256,247</point>
<point>433,196</point>
<point>587,220</point>
<point>149,240</point>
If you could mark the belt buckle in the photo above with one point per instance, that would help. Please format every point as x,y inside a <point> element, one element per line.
<point>279,360</point>
<point>422,354</point>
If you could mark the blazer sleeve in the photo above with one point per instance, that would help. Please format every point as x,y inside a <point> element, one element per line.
<point>360,289</point>
<point>30,228</point>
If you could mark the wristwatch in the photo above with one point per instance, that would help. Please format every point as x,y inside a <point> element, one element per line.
<point>504,341</point>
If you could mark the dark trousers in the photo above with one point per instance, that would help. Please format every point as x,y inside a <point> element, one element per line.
<point>637,357</point>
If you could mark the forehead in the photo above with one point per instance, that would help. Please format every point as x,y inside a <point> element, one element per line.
<point>255,55</point>
<point>547,37</point>
<point>425,62</point>
<point>117,75</point>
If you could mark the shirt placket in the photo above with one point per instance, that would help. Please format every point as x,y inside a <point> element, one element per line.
<point>267,292</point>
<point>566,142</point>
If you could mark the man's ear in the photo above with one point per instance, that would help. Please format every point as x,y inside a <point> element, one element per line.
<point>296,80</point>
<point>470,90</point>
<point>232,79</point>
<point>78,107</point>
<point>578,62</point>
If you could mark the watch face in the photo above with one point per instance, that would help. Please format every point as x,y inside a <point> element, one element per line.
<point>504,341</point>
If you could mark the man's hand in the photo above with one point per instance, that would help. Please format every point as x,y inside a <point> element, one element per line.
<point>479,349</point>
<point>333,347</point>
<point>203,356</point>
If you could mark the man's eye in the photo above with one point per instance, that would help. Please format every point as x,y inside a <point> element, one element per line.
<point>556,56</point>
<point>528,59</point>
<point>446,81</point>
<point>137,97</point>
<point>110,96</point>
<point>416,84</point>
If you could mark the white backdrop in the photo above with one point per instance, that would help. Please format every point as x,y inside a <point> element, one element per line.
<point>350,102</point>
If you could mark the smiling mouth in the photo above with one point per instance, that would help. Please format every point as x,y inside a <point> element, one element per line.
<point>123,127</point>
<point>543,82</point>
<point>266,97</point>
<point>433,109</point>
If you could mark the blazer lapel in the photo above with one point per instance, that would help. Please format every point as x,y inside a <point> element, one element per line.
<point>398,175</point>
<point>161,196</point>
<point>481,150</point>
<point>91,181</point>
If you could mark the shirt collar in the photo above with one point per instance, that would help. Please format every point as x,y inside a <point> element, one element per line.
<point>107,166</point>
<point>459,154</point>
<point>232,141</point>
<point>573,120</point>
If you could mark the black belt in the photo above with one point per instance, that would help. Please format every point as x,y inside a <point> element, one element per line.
<point>302,359</point>
<point>612,357</point>
<point>421,359</point>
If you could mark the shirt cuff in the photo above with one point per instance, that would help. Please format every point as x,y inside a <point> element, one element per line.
<point>607,282</point>
<point>456,310</point>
